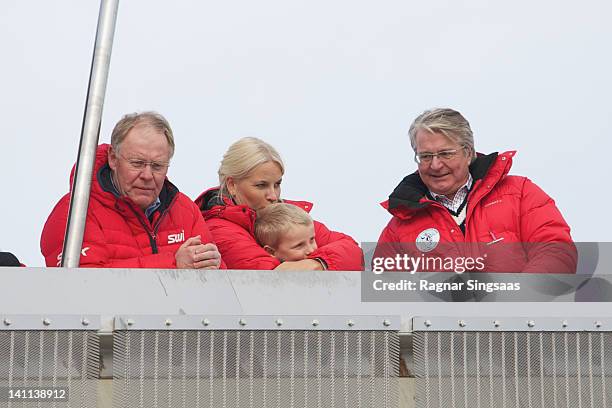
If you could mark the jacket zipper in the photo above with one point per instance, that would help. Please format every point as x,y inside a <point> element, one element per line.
<point>146,228</point>
<point>152,234</point>
<point>152,240</point>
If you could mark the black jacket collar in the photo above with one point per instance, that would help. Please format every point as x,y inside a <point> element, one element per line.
<point>210,199</point>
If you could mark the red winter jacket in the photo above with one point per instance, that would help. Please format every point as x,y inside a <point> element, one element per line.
<point>510,221</point>
<point>232,228</point>
<point>117,232</point>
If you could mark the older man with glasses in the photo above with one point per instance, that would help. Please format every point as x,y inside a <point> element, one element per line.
<point>136,217</point>
<point>460,204</point>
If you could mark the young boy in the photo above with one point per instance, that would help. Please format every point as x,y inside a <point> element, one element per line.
<point>285,231</point>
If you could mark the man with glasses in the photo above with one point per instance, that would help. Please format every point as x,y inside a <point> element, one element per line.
<point>460,204</point>
<point>136,218</point>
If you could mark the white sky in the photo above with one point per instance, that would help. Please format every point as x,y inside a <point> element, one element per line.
<point>333,85</point>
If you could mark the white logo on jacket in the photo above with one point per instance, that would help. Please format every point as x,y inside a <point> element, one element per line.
<point>175,238</point>
<point>492,203</point>
<point>59,256</point>
<point>428,240</point>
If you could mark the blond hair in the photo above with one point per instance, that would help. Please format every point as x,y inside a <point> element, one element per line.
<point>447,121</point>
<point>131,120</point>
<point>276,219</point>
<point>242,157</point>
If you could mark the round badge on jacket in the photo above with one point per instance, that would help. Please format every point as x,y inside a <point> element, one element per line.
<point>428,240</point>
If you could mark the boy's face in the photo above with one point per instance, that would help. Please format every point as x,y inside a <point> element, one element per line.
<point>296,244</point>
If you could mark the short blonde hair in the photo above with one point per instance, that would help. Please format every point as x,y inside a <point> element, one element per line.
<point>131,120</point>
<point>447,121</point>
<point>276,219</point>
<point>242,157</point>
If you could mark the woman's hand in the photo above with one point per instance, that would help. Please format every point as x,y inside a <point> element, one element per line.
<point>303,265</point>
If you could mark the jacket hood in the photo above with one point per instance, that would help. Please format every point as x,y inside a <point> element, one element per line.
<point>209,199</point>
<point>213,206</point>
<point>411,193</point>
<point>100,160</point>
<point>101,186</point>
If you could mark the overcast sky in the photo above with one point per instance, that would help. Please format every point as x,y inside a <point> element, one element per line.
<point>333,85</point>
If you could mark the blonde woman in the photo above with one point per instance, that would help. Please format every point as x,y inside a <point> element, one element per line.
<point>250,178</point>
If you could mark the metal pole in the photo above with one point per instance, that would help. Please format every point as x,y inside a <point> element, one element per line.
<point>79,199</point>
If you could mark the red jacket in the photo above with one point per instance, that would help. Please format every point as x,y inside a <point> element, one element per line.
<point>232,227</point>
<point>117,232</point>
<point>509,218</point>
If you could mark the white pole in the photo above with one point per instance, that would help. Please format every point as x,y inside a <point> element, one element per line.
<point>79,199</point>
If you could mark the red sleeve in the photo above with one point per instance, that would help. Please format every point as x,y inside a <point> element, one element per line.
<point>388,246</point>
<point>94,252</point>
<point>545,233</point>
<point>238,247</point>
<point>200,228</point>
<point>163,260</point>
<point>339,251</point>
<point>387,237</point>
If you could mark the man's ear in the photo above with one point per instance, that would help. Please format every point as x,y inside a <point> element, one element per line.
<point>269,249</point>
<point>112,159</point>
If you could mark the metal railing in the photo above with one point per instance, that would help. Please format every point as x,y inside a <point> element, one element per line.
<point>534,362</point>
<point>164,329</point>
<point>49,353</point>
<point>263,361</point>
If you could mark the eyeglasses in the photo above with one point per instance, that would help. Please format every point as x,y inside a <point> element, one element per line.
<point>139,165</point>
<point>444,155</point>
